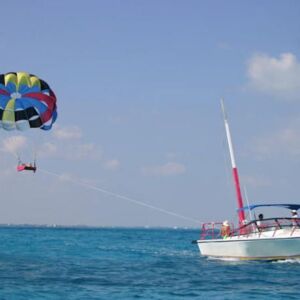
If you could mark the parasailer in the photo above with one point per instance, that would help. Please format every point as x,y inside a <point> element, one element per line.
<point>26,167</point>
<point>26,102</point>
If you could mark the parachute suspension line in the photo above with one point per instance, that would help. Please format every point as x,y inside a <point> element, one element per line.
<point>119,196</point>
<point>34,146</point>
<point>7,135</point>
<point>34,162</point>
<point>19,160</point>
<point>34,157</point>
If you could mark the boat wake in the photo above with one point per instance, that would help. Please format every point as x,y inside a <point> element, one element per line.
<point>231,259</point>
<point>287,261</point>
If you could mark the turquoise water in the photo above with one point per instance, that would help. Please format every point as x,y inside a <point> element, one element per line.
<point>73,263</point>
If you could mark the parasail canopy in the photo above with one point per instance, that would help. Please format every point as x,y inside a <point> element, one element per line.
<point>26,101</point>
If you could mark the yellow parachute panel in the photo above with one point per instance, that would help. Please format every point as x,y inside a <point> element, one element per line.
<point>23,79</point>
<point>10,78</point>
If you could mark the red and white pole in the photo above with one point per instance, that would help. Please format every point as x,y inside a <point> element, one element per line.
<point>235,174</point>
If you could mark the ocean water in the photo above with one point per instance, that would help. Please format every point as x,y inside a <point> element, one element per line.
<point>123,263</point>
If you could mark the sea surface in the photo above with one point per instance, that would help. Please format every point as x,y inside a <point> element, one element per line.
<point>130,263</point>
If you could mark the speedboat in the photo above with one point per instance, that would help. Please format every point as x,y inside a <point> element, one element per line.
<point>273,238</point>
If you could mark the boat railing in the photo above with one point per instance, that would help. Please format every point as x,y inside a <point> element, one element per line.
<point>212,230</point>
<point>269,224</point>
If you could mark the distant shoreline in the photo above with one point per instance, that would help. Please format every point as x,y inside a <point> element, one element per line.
<point>56,226</point>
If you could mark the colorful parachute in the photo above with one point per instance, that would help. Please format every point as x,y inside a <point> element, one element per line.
<point>26,102</point>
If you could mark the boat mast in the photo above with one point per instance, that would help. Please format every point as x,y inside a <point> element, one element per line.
<point>235,174</point>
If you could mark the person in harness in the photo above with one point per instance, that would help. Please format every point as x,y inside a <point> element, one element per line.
<point>26,167</point>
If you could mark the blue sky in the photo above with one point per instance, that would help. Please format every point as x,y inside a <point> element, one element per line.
<point>139,86</point>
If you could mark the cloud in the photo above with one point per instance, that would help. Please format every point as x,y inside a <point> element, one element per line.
<point>67,133</point>
<point>7,172</point>
<point>65,177</point>
<point>73,147</point>
<point>255,181</point>
<point>86,151</point>
<point>112,164</point>
<point>75,151</point>
<point>48,149</point>
<point>284,141</point>
<point>275,76</point>
<point>168,169</point>
<point>172,156</point>
<point>70,151</point>
<point>14,144</point>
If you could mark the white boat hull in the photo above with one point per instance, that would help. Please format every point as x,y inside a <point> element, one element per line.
<point>253,247</point>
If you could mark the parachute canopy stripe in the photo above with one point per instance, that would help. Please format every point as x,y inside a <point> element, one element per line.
<point>42,98</point>
<point>26,99</point>
<point>46,126</point>
<point>9,114</point>
<point>4,92</point>
<point>3,100</point>
<point>25,103</point>
<point>25,114</point>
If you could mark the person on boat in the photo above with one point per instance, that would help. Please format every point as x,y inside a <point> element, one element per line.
<point>259,223</point>
<point>225,229</point>
<point>295,218</point>
<point>294,214</point>
<point>26,167</point>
